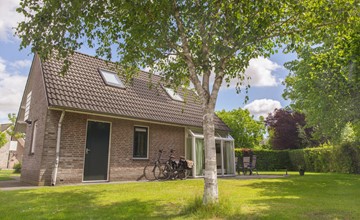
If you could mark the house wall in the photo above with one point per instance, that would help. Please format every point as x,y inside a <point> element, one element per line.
<point>121,165</point>
<point>4,154</point>
<point>38,111</point>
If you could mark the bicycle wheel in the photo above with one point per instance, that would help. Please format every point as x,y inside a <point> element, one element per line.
<point>162,172</point>
<point>183,174</point>
<point>149,172</point>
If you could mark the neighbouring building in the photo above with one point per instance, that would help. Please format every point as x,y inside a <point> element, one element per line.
<point>89,125</point>
<point>11,153</point>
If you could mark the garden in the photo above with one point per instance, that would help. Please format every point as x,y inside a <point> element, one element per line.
<point>315,195</point>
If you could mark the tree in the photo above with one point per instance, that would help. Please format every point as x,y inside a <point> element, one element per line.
<point>10,130</point>
<point>184,41</point>
<point>288,130</point>
<point>246,131</point>
<point>3,139</point>
<point>324,82</point>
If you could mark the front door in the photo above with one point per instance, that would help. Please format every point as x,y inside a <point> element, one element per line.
<point>97,151</point>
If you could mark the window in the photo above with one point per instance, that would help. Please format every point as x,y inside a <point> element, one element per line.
<point>27,106</point>
<point>111,78</point>
<point>33,138</point>
<point>173,94</point>
<point>140,149</point>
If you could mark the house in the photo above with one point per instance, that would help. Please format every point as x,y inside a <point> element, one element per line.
<point>89,125</point>
<point>11,153</point>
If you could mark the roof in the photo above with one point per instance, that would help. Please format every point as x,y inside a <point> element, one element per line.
<point>83,89</point>
<point>4,127</point>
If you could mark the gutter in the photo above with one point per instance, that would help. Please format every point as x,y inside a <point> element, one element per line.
<point>55,170</point>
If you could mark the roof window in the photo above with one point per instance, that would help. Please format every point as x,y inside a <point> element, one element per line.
<point>111,78</point>
<point>173,94</point>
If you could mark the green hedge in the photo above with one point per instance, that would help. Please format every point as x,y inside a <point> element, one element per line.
<point>341,159</point>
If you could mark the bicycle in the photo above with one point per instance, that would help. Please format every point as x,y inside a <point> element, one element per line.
<point>155,171</point>
<point>175,170</point>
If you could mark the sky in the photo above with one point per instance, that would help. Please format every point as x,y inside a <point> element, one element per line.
<point>264,95</point>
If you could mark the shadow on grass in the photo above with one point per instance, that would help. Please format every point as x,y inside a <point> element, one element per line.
<point>49,204</point>
<point>309,197</point>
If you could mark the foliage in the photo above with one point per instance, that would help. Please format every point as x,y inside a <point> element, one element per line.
<point>11,131</point>
<point>344,158</point>
<point>246,131</point>
<point>183,41</point>
<point>17,168</point>
<point>3,139</point>
<point>287,130</point>
<point>267,159</point>
<point>325,80</point>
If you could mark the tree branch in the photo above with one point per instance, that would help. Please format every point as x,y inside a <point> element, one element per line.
<point>186,53</point>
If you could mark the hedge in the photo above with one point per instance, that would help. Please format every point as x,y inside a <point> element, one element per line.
<point>341,159</point>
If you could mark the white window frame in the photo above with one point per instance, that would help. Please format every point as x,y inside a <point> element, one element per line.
<point>173,95</point>
<point>148,142</point>
<point>119,83</point>
<point>33,137</point>
<point>27,106</point>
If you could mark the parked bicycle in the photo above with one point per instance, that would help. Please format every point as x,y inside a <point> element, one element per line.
<point>155,170</point>
<point>177,170</point>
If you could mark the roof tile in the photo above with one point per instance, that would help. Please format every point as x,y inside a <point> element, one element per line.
<point>82,88</point>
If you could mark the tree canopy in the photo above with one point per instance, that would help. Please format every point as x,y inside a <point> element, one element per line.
<point>324,82</point>
<point>202,42</point>
<point>247,132</point>
<point>287,130</point>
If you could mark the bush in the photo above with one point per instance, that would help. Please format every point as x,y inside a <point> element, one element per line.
<point>267,159</point>
<point>344,158</point>
<point>17,168</point>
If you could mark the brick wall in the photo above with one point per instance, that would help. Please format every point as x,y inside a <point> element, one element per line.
<point>38,109</point>
<point>122,165</point>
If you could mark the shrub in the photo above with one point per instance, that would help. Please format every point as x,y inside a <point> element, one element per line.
<point>344,158</point>
<point>17,168</point>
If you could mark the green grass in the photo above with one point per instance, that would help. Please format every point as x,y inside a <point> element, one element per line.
<point>313,196</point>
<point>7,175</point>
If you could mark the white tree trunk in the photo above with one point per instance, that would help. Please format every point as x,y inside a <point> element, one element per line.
<point>211,193</point>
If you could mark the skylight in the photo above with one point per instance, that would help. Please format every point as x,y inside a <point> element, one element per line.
<point>111,78</point>
<point>173,94</point>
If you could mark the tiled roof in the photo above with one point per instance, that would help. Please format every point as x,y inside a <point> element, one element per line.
<point>83,89</point>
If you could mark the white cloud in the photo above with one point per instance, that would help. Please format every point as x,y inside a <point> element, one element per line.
<point>21,64</point>
<point>260,72</point>
<point>262,107</point>
<point>9,18</point>
<point>11,90</point>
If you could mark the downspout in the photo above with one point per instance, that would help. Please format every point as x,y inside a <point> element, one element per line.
<point>55,170</point>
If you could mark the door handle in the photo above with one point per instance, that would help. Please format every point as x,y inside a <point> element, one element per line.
<point>87,150</point>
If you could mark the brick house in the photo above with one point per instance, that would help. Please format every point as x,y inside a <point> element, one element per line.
<point>90,126</point>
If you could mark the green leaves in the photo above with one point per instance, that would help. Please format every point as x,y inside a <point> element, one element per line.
<point>247,132</point>
<point>324,83</point>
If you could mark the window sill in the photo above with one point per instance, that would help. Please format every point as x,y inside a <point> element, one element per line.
<point>139,158</point>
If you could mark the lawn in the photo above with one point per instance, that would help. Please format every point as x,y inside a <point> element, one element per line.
<point>7,175</point>
<point>313,196</point>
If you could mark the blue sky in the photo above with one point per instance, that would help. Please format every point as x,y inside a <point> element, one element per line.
<point>266,74</point>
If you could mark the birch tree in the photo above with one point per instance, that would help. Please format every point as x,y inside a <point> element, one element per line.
<point>208,42</point>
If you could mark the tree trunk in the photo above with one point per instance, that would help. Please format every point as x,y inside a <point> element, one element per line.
<point>211,194</point>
